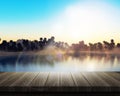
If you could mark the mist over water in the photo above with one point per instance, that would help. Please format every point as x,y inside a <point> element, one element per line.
<point>60,63</point>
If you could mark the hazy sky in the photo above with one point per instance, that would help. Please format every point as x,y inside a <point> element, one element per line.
<point>67,20</point>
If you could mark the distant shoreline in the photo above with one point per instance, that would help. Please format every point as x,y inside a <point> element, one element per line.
<point>44,52</point>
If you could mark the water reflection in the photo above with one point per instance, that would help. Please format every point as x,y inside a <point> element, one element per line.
<point>59,62</point>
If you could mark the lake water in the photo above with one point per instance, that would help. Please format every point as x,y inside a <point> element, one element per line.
<point>59,63</point>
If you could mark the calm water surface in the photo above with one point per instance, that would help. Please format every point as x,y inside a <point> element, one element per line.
<point>59,63</point>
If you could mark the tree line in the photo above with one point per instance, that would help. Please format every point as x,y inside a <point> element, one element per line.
<point>99,46</point>
<point>27,45</point>
<point>42,43</point>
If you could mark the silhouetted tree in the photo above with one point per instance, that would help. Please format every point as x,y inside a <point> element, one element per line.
<point>112,44</point>
<point>19,47</point>
<point>118,45</point>
<point>44,42</point>
<point>93,46</point>
<point>4,45</point>
<point>41,43</point>
<point>106,45</point>
<point>100,46</point>
<point>26,45</point>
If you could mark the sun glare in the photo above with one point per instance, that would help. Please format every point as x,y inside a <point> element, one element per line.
<point>91,67</point>
<point>89,22</point>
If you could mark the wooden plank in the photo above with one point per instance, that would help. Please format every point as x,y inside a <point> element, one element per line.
<point>40,79</point>
<point>115,75</point>
<point>6,76</point>
<point>79,79</point>
<point>109,79</point>
<point>53,79</point>
<point>60,79</point>
<point>66,79</point>
<point>26,79</point>
<point>11,79</point>
<point>94,79</point>
<point>2,75</point>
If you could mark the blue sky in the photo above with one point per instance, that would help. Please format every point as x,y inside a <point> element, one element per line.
<point>16,11</point>
<point>30,10</point>
<point>67,20</point>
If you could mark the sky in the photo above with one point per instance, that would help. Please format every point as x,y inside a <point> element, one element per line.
<point>68,20</point>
